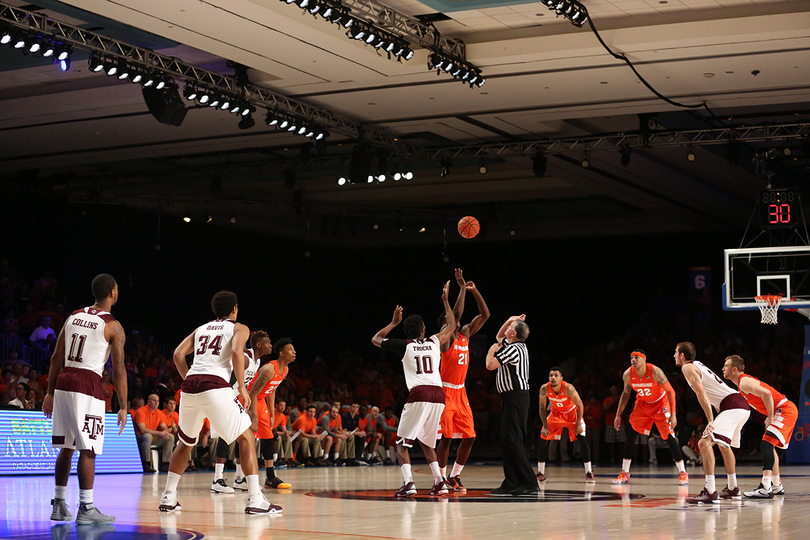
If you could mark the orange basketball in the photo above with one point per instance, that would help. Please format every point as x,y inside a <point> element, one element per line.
<point>468,227</point>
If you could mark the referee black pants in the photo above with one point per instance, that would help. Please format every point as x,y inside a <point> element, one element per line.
<point>514,417</point>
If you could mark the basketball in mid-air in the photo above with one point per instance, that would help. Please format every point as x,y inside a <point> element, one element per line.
<point>468,227</point>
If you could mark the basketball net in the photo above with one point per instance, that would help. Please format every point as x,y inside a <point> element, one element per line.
<point>769,307</point>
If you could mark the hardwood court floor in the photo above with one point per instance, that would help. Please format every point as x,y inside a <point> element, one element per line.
<point>335,503</point>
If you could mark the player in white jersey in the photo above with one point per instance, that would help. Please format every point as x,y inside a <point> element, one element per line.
<point>260,346</point>
<point>723,430</point>
<point>218,348</point>
<point>421,416</point>
<point>76,399</point>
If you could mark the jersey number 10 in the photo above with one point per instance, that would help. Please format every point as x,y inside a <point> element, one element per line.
<point>424,364</point>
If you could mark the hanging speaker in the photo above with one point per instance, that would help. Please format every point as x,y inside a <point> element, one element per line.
<point>165,105</point>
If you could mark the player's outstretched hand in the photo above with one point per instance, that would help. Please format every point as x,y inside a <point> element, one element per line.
<point>47,405</point>
<point>446,290</point>
<point>469,286</point>
<point>397,318</point>
<point>460,278</point>
<point>122,420</point>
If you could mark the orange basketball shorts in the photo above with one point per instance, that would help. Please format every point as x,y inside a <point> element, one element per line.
<point>559,421</point>
<point>646,414</point>
<point>457,418</point>
<point>781,429</point>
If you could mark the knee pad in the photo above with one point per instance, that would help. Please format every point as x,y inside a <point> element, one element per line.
<point>767,455</point>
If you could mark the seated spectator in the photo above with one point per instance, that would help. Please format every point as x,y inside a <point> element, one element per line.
<point>20,390</point>
<point>321,403</point>
<point>33,383</point>
<point>691,450</point>
<point>136,402</point>
<point>6,382</point>
<point>43,335</point>
<point>388,427</point>
<point>17,372</point>
<point>299,410</point>
<point>336,437</point>
<point>31,400</point>
<point>307,444</point>
<point>368,424</point>
<point>151,423</point>
<point>172,417</point>
<point>282,434</point>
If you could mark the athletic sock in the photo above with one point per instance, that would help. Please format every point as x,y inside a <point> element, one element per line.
<point>337,456</point>
<point>587,466</point>
<point>626,465</point>
<point>732,481</point>
<point>443,470</point>
<point>253,485</point>
<point>766,481</point>
<point>86,496</point>
<point>680,466</point>
<point>541,467</point>
<point>406,472</point>
<point>60,492</point>
<point>219,468</point>
<point>457,468</point>
<point>171,482</point>
<point>437,472</point>
<point>710,487</point>
<point>271,473</point>
<point>239,473</point>
<point>777,480</point>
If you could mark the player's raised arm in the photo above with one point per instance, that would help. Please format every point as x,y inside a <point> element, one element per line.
<point>115,333</point>
<point>623,399</point>
<point>395,320</point>
<point>661,378</point>
<point>483,312</point>
<point>185,348</point>
<point>57,362</point>
<point>240,337</point>
<point>449,329</point>
<point>458,308</point>
<point>571,392</point>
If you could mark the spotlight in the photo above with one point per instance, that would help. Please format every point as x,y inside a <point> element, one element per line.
<point>539,163</point>
<point>341,181</point>
<point>205,98</point>
<point>246,122</point>
<point>190,93</point>
<point>407,175</point>
<point>370,179</point>
<point>625,152</point>
<point>150,81</point>
<point>64,65</point>
<point>482,169</point>
<point>34,47</point>
<point>320,135</point>
<point>62,53</point>
<point>397,176</point>
<point>407,53</point>
<point>187,219</point>
<point>95,64</point>
<point>123,71</point>
<point>137,78</point>
<point>48,50</point>
<point>5,38</point>
<point>585,161</point>
<point>19,43</point>
<point>691,155</point>
<point>160,85</point>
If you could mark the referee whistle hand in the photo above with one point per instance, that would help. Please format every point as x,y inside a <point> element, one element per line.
<point>122,420</point>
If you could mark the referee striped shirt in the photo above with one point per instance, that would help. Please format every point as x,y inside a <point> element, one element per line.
<point>513,373</point>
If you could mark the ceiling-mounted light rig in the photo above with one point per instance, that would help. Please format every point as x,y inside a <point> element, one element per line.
<point>570,9</point>
<point>288,122</point>
<point>460,69</point>
<point>37,45</point>
<point>119,68</point>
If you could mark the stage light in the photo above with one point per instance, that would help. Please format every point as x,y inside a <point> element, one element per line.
<point>691,155</point>
<point>226,104</point>
<point>284,123</point>
<point>123,71</point>
<point>5,38</point>
<point>397,176</point>
<point>341,181</point>
<point>48,50</point>
<point>302,130</point>
<point>160,85</point>
<point>271,119</point>
<point>187,219</point>
<point>64,65</point>
<point>150,81</point>
<point>62,53</point>
<point>190,93</point>
<point>246,122</point>
<point>95,64</point>
<point>625,152</point>
<point>408,175</point>
<point>20,43</point>
<point>321,135</point>
<point>34,47</point>
<point>138,77</point>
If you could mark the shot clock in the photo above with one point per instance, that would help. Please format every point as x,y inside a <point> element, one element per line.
<point>779,209</point>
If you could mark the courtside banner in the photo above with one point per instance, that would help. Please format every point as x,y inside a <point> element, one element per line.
<point>799,449</point>
<point>25,446</point>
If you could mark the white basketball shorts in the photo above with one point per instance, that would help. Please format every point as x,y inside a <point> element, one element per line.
<point>222,408</point>
<point>78,421</point>
<point>420,420</point>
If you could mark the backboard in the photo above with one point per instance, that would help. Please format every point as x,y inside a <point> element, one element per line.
<point>781,270</point>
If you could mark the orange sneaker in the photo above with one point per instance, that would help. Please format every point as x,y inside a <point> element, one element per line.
<point>623,478</point>
<point>683,478</point>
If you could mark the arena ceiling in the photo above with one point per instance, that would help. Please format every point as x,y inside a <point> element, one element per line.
<point>90,139</point>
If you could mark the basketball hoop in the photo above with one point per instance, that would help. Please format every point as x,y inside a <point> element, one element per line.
<point>769,307</point>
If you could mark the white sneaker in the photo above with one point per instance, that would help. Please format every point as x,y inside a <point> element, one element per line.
<point>259,505</point>
<point>778,490</point>
<point>168,502</point>
<point>90,515</point>
<point>240,485</point>
<point>760,493</point>
<point>60,510</point>
<point>219,486</point>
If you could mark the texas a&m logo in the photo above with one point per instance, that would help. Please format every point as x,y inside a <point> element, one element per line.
<point>93,426</point>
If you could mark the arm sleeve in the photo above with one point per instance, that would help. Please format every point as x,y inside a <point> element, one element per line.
<point>394,345</point>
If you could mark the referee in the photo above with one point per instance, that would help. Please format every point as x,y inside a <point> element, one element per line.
<point>511,358</point>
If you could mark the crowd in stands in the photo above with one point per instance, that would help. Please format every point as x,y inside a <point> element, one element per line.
<point>344,411</point>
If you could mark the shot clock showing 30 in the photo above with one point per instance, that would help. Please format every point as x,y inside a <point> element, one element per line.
<point>779,209</point>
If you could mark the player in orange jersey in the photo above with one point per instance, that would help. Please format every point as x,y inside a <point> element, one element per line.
<point>263,406</point>
<point>780,419</point>
<point>457,418</point>
<point>655,404</point>
<point>566,412</point>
